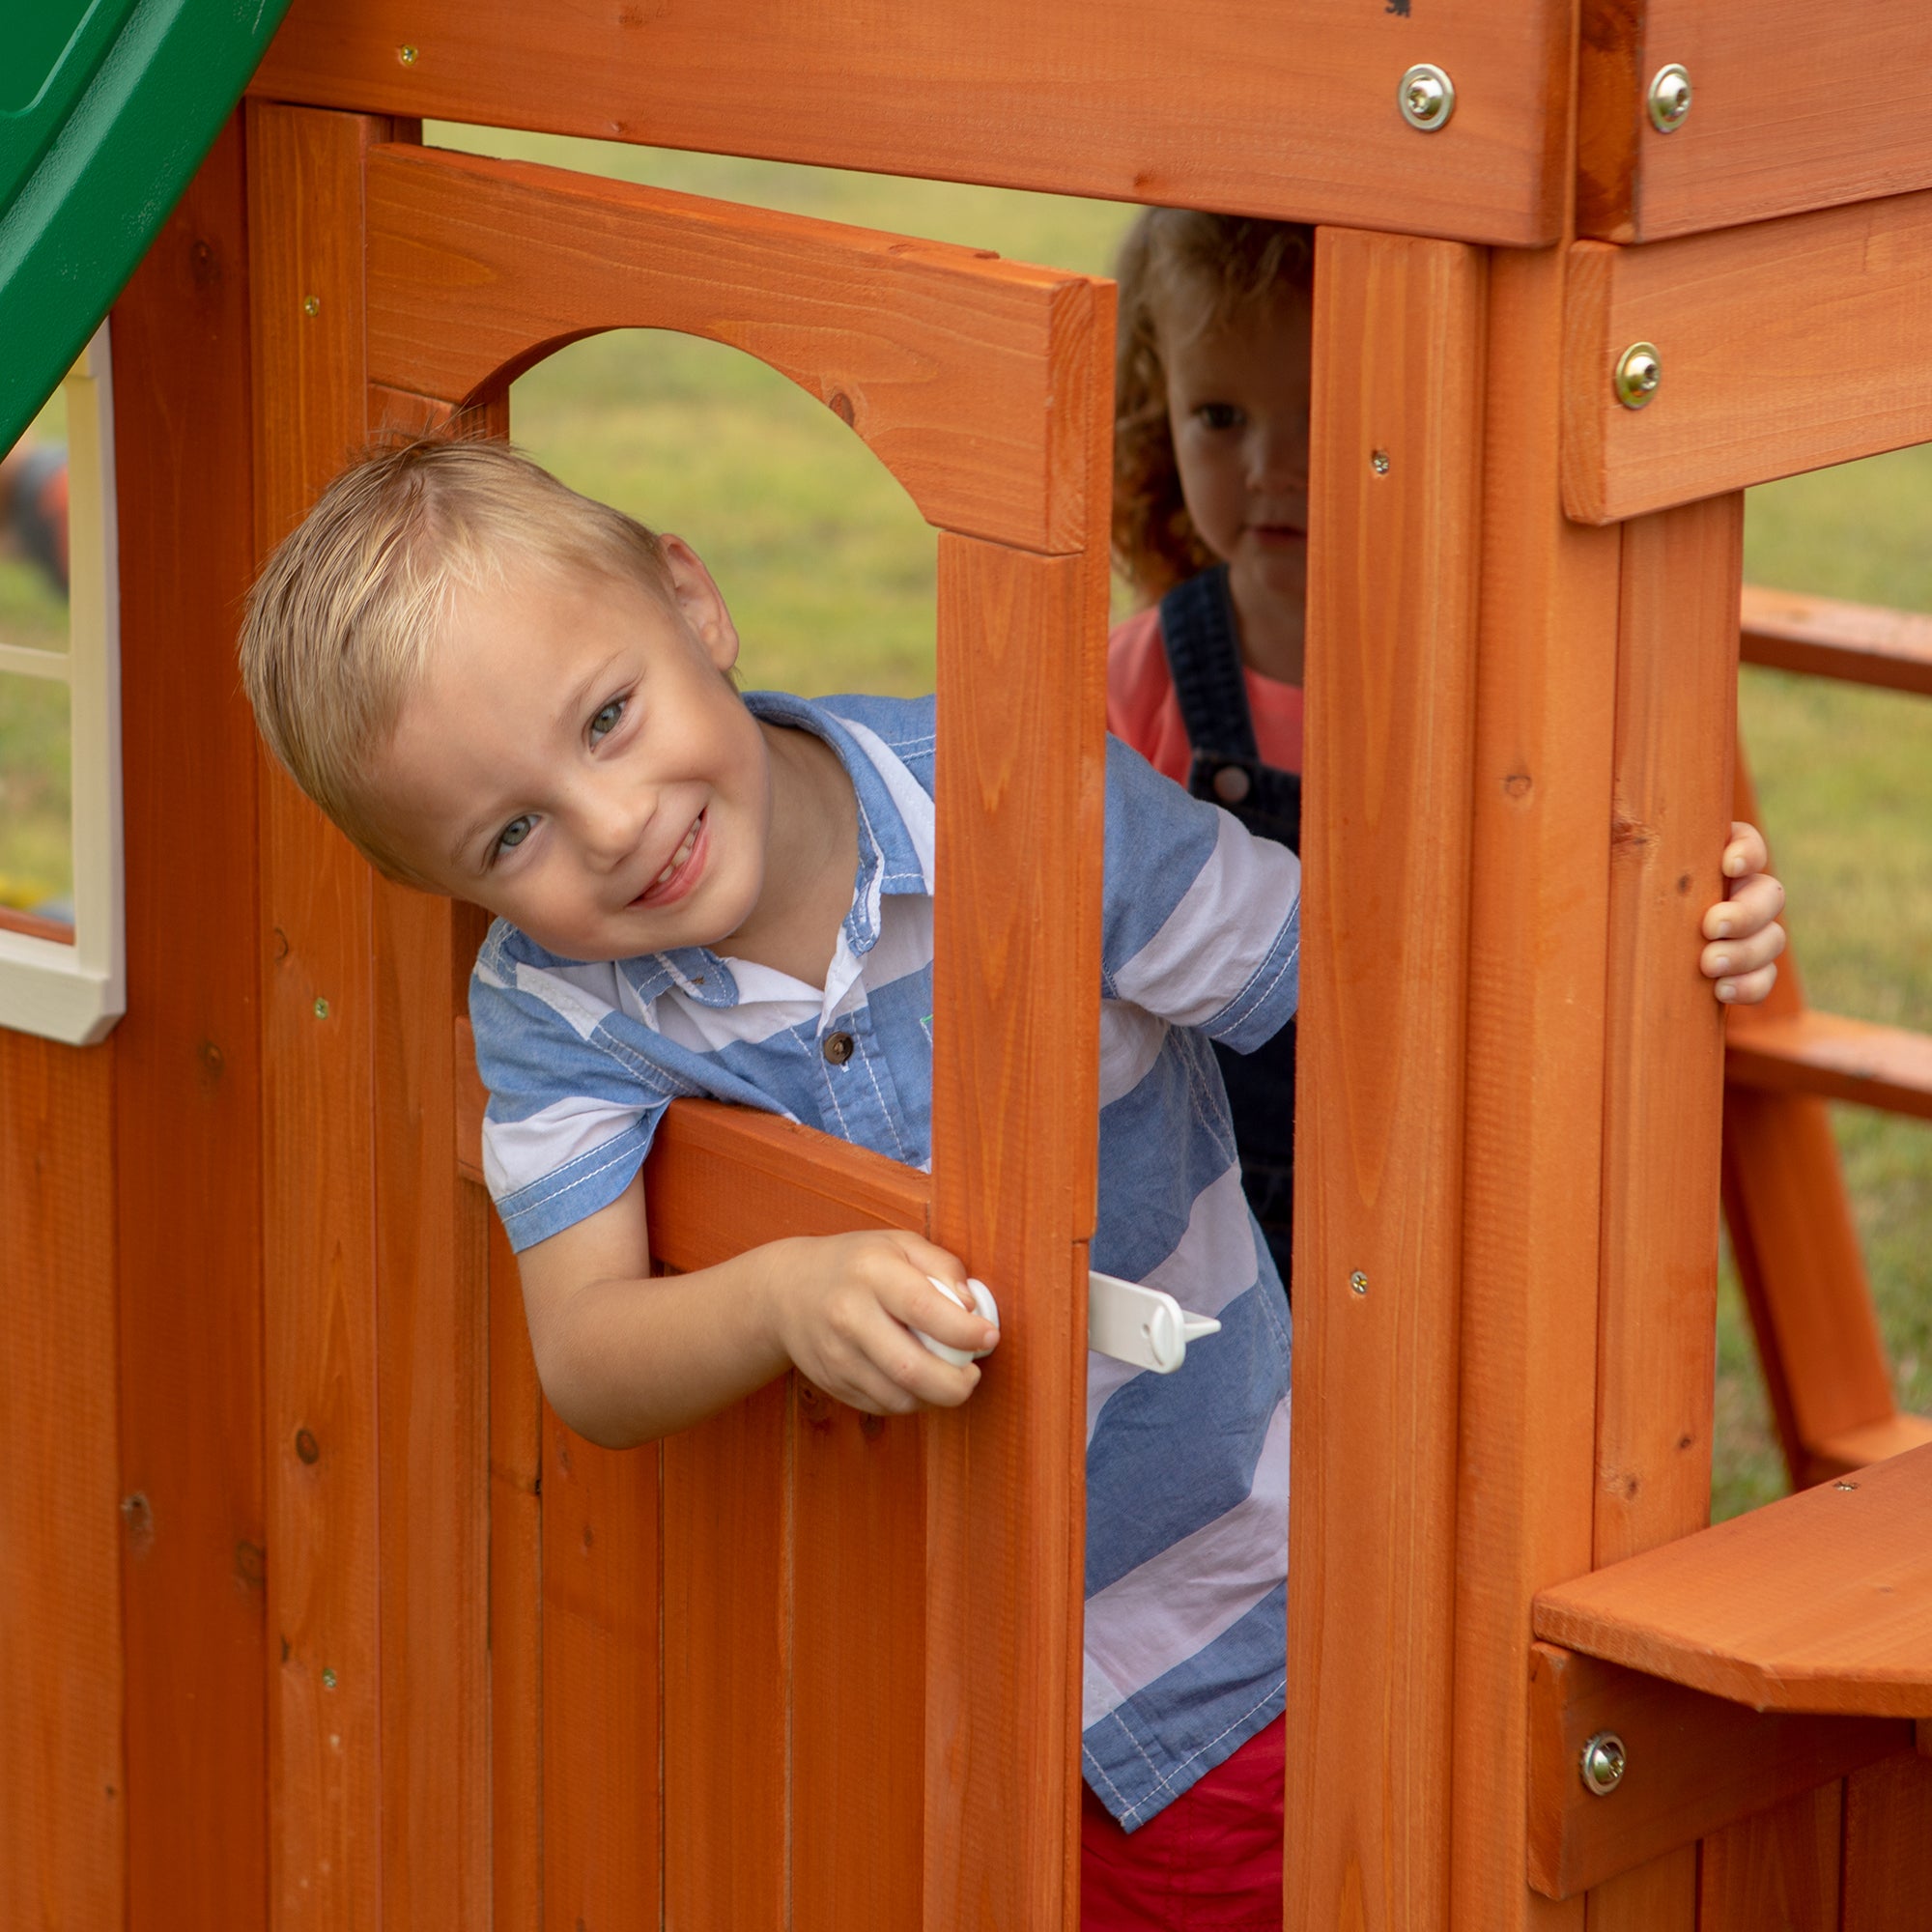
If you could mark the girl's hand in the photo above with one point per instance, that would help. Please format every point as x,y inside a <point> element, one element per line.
<point>1743,929</point>
<point>843,1308</point>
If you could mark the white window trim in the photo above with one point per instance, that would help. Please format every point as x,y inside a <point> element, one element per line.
<point>75,993</point>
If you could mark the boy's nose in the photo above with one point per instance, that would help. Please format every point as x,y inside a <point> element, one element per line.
<point>613,824</point>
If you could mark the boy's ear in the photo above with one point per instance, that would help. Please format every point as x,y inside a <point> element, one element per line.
<point>700,602</point>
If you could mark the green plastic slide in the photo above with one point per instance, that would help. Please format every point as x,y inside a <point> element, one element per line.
<point>106,108</point>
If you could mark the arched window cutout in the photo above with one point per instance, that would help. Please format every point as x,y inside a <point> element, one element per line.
<point>64,976</point>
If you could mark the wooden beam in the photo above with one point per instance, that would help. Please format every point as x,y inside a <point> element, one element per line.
<point>1392,621</point>
<point>1821,637</point>
<point>1794,106</point>
<point>1126,99</point>
<point>1885,1067</point>
<point>1785,346</point>
<point>947,360</point>
<point>1694,1763</point>
<point>1819,1602</point>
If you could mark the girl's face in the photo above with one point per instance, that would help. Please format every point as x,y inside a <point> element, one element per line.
<point>1237,398</point>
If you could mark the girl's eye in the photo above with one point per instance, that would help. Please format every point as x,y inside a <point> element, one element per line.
<point>1219,416</point>
<point>606,720</point>
<point>515,832</point>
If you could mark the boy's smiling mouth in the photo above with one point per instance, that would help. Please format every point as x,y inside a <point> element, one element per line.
<point>679,873</point>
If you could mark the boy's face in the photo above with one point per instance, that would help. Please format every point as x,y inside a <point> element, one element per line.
<point>1237,398</point>
<point>577,762</point>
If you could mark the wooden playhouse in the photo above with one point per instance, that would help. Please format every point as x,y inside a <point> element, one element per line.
<point>313,1617</point>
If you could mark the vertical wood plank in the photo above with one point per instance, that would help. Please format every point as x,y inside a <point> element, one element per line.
<point>1021,806</point>
<point>318,1034</point>
<point>1663,1081</point>
<point>1888,1863</point>
<point>1533,1157</point>
<point>600,1819</point>
<point>727,1662</point>
<point>63,1829</point>
<point>187,1125</point>
<point>1776,1871</point>
<point>432,1433</point>
<point>516,1603</point>
<point>1392,624</point>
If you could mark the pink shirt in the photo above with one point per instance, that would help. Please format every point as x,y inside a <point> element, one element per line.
<point>1142,711</point>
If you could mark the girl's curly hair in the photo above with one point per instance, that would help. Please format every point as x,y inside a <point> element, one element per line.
<point>1180,273</point>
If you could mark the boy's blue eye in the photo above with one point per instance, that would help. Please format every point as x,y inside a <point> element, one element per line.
<point>1220,415</point>
<point>606,720</point>
<point>515,832</point>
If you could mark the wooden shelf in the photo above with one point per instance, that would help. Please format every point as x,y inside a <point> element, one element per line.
<point>1821,1602</point>
<point>1821,636</point>
<point>1810,1052</point>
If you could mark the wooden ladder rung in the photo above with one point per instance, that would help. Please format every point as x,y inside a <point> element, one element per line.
<point>1810,1052</point>
<point>1870,1442</point>
<point>1821,637</point>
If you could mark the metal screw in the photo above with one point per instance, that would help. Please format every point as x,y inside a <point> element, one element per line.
<point>311,305</point>
<point>1639,371</point>
<point>1669,98</point>
<point>1842,1484</point>
<point>329,1680</point>
<point>1427,97</point>
<point>322,1010</point>
<point>1359,1281</point>
<point>1603,1765</point>
<point>1378,462</point>
<point>407,55</point>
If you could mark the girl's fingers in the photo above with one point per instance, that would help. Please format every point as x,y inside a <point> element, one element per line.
<point>1724,956</point>
<point>1745,852</point>
<point>1751,908</point>
<point>1747,989</point>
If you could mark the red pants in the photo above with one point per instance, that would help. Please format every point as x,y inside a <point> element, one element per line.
<point>1209,1863</point>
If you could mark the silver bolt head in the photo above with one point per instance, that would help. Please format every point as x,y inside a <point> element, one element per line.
<point>1669,98</point>
<point>1359,1281</point>
<point>1639,371</point>
<point>1602,1764</point>
<point>1378,462</point>
<point>1427,97</point>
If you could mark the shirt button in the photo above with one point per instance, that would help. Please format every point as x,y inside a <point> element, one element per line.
<point>1232,784</point>
<point>837,1048</point>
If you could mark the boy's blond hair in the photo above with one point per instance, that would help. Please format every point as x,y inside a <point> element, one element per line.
<point>342,619</point>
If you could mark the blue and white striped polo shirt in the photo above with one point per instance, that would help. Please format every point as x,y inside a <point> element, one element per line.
<point>1187,1474</point>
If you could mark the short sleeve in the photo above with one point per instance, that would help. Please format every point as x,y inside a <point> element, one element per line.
<point>1202,922</point>
<point>572,1111</point>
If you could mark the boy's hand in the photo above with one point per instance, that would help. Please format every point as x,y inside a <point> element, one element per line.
<point>843,1308</point>
<point>1743,929</point>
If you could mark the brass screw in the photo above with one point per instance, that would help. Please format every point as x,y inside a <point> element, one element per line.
<point>322,1010</point>
<point>1359,1281</point>
<point>311,305</point>
<point>329,1680</point>
<point>1669,98</point>
<point>1604,1763</point>
<point>407,55</point>
<point>1378,462</point>
<point>1639,371</point>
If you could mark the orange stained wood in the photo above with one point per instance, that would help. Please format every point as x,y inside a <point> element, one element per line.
<point>185,1150</point>
<point>1818,1601</point>
<point>1287,111</point>
<point>1881,1066</point>
<point>954,366</point>
<point>63,1531</point>
<point>1546,653</point>
<point>1824,637</point>
<point>316,947</point>
<point>1397,465</point>
<point>1794,107</point>
<point>1021,811</point>
<point>1778,1868</point>
<point>1695,1765</point>
<point>1784,346</point>
<point>1888,1862</point>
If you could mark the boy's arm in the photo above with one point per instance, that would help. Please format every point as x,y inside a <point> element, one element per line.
<point>626,1356</point>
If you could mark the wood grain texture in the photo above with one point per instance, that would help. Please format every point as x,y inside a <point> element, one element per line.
<point>1818,1601</point>
<point>1825,637</point>
<point>1785,346</point>
<point>1392,634</point>
<point>1021,809</point>
<point>1128,100</point>
<point>1695,1765</point>
<point>1875,1442</point>
<point>948,361</point>
<point>187,1157</point>
<point>63,1529</point>
<point>1768,132</point>
<point>1658,1896</point>
<point>433,1430</point>
<point>516,1603</point>
<point>1533,1153</point>
<point>1888,1858</point>
<point>1778,1869</point>
<point>318,1043</point>
<point>602,1818</point>
<point>1664,1050</point>
<point>1881,1066</point>
<point>727,1666</point>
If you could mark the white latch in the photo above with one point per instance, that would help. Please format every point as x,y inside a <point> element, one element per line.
<point>1144,1326</point>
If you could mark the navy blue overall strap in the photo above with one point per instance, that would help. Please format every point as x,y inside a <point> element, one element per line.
<point>1204,658</point>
